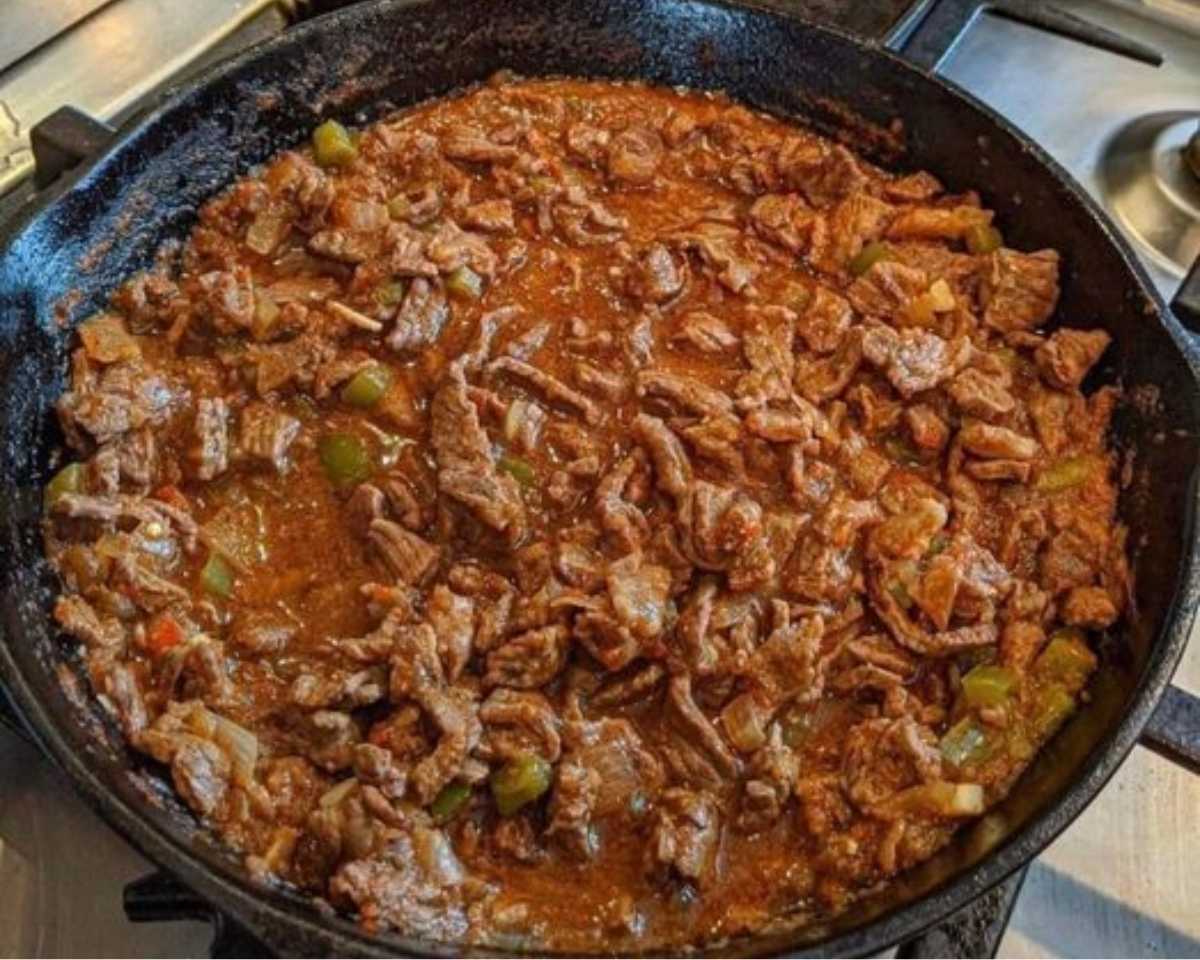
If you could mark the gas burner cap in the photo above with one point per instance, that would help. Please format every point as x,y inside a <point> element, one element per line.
<point>1153,189</point>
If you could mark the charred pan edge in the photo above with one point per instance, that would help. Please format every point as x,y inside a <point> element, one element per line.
<point>292,924</point>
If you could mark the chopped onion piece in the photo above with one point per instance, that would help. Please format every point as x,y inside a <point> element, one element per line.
<point>941,799</point>
<point>517,413</point>
<point>743,722</point>
<point>941,297</point>
<point>239,744</point>
<point>435,855</point>
<point>279,853</point>
<point>338,792</point>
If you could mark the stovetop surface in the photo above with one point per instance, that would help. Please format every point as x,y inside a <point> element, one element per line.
<point>1121,881</point>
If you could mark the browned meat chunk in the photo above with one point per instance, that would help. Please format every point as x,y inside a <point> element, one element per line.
<point>929,431</point>
<point>410,558</point>
<point>124,397</point>
<point>1089,607</point>
<point>839,236</point>
<point>455,714</point>
<point>78,618</point>
<point>913,188</point>
<point>825,173</point>
<point>698,728</point>
<point>775,770</point>
<point>784,219</point>
<point>779,426</point>
<point>344,246</point>
<point>267,434</point>
<point>684,392</point>
<point>415,883</point>
<point>466,471</point>
<point>493,216</point>
<point>302,182</point>
<point>517,723</point>
<point>528,661</point>
<point>1065,358</point>
<point>706,333</point>
<point>624,520</point>
<point>768,349</point>
<point>473,145</point>
<point>684,842</point>
<point>914,360</point>
<point>123,507</point>
<point>639,595</point>
<point>938,223</point>
<point>453,620</point>
<point>886,756</point>
<point>421,317</point>
<point>655,276</point>
<point>1017,470</point>
<point>1019,290</point>
<point>634,155</point>
<point>294,362</point>
<point>585,221</point>
<point>721,248</point>
<point>259,634</point>
<point>587,142</point>
<point>608,384</point>
<point>211,453</point>
<point>571,806</point>
<point>550,387</point>
<point>200,771</point>
<point>718,524</point>
<point>671,464</point>
<point>825,320</point>
<point>229,298</point>
<point>980,395</point>
<point>823,380</point>
<point>996,443</point>
<point>885,289</point>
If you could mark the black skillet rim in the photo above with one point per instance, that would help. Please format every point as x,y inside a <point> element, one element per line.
<point>290,920</point>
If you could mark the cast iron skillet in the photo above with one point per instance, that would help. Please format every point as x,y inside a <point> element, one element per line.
<point>75,246</point>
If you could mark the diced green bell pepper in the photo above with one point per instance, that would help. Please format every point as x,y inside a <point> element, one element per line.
<point>450,801</point>
<point>1052,706</point>
<point>520,782</point>
<point>983,238</point>
<point>217,576</point>
<point>870,255</point>
<point>964,743</point>
<point>521,470</point>
<point>988,685</point>
<point>345,459</point>
<point>332,145</point>
<point>1067,659</point>
<point>367,387</point>
<point>464,283</point>
<point>390,293</point>
<point>70,479</point>
<point>1067,473</point>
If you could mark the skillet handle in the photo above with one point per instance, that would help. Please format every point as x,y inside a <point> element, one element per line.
<point>1173,730</point>
<point>63,140</point>
<point>930,32</point>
